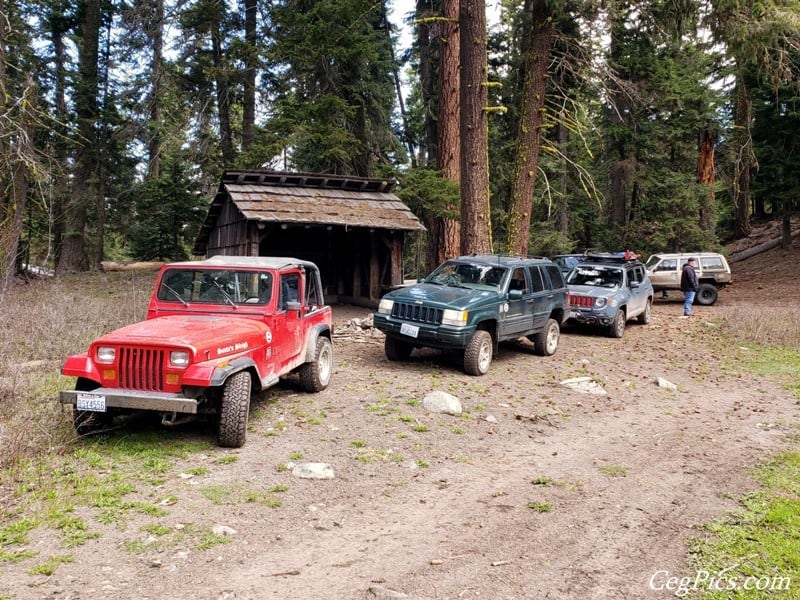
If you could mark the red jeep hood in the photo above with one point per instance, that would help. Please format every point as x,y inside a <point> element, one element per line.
<point>199,332</point>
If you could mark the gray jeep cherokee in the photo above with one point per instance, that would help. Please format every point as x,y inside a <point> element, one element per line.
<point>472,303</point>
<point>607,290</point>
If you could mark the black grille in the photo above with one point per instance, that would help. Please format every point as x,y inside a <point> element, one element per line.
<point>141,369</point>
<point>417,313</point>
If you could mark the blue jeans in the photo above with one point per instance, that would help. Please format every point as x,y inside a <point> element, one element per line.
<point>687,302</point>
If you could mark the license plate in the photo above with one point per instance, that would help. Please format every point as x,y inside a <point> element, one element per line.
<point>91,402</point>
<point>409,330</point>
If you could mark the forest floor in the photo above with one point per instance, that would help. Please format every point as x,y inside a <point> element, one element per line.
<point>536,491</point>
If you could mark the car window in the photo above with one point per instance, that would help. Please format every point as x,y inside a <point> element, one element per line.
<point>712,263</point>
<point>537,285</point>
<point>556,277</point>
<point>518,280</point>
<point>290,289</point>
<point>668,264</point>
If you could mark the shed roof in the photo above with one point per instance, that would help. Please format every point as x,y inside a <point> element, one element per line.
<point>310,199</point>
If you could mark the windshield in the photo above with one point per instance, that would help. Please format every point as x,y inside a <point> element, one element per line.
<point>215,287</point>
<point>470,275</point>
<point>595,276</point>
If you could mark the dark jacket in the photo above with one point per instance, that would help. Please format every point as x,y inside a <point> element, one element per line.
<point>688,278</point>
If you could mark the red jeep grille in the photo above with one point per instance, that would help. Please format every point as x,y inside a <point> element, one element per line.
<point>141,369</point>
<point>581,301</point>
<point>418,313</point>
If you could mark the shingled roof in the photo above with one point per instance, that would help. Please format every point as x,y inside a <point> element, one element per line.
<point>310,199</point>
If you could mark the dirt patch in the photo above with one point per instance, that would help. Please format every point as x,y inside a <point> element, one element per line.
<point>536,491</point>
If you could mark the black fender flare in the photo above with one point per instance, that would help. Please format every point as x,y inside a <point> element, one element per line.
<point>311,342</point>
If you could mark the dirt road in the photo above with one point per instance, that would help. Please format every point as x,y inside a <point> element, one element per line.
<point>536,491</point>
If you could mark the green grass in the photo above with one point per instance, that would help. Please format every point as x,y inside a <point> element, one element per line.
<point>540,507</point>
<point>780,364</point>
<point>613,470</point>
<point>761,540</point>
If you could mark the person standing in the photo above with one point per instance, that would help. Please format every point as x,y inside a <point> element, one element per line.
<point>688,286</point>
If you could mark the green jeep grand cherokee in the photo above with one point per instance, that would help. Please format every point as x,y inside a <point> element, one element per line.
<point>473,303</point>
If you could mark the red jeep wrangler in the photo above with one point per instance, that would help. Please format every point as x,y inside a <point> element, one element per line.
<point>215,330</point>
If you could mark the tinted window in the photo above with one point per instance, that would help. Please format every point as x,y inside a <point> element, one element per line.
<point>556,278</point>
<point>290,289</point>
<point>537,285</point>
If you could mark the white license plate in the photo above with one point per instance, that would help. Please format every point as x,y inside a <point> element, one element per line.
<point>409,330</point>
<point>91,402</point>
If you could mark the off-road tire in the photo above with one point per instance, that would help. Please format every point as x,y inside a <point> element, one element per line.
<point>87,422</point>
<point>397,349</point>
<point>545,343</point>
<point>478,353</point>
<point>706,294</point>
<point>234,410</point>
<point>316,374</point>
<point>647,314</point>
<point>617,327</point>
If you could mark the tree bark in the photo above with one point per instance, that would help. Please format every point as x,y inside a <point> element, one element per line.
<point>251,56</point>
<point>157,67</point>
<point>427,50</point>
<point>476,226</point>
<point>223,87</point>
<point>705,176</point>
<point>743,159</point>
<point>73,255</point>
<point>444,233</point>
<point>529,134</point>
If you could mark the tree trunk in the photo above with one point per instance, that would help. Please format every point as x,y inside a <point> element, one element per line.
<point>73,256</point>
<point>427,50</point>
<point>705,176</point>
<point>562,204</point>
<point>476,226</point>
<point>529,134</point>
<point>58,31</point>
<point>444,234</point>
<point>743,147</point>
<point>157,66</point>
<point>251,60</point>
<point>223,89</point>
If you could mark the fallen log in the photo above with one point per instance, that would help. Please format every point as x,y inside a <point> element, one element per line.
<point>763,247</point>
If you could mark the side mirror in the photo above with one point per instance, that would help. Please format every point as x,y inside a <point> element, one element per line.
<point>293,306</point>
<point>635,284</point>
<point>515,294</point>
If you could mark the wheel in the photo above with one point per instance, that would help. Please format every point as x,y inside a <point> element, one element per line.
<point>545,342</point>
<point>397,349</point>
<point>645,317</point>
<point>87,422</point>
<point>316,375</point>
<point>234,410</point>
<point>478,353</point>
<point>617,328</point>
<point>706,294</point>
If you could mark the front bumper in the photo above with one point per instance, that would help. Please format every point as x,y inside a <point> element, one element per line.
<point>589,317</point>
<point>128,399</point>
<point>431,336</point>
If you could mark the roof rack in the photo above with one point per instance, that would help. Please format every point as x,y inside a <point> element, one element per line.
<point>608,257</point>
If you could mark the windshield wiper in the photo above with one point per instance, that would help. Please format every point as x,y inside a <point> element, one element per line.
<point>224,293</point>
<point>176,294</point>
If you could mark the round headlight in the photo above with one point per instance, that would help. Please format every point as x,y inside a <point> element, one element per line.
<point>179,358</point>
<point>600,302</point>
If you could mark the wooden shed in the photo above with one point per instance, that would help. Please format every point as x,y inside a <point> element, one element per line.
<point>353,228</point>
